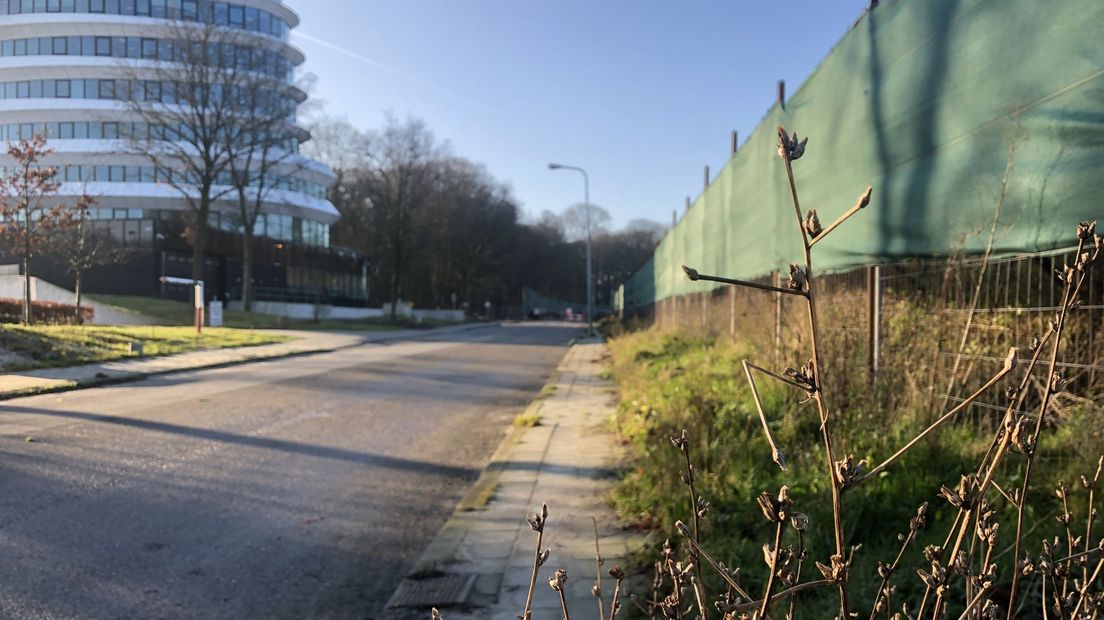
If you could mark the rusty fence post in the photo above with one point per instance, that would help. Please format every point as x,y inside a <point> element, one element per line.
<point>732,312</point>
<point>874,320</point>
<point>776,281</point>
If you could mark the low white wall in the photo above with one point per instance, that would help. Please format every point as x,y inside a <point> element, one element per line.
<point>346,313</point>
<point>11,287</point>
<point>447,316</point>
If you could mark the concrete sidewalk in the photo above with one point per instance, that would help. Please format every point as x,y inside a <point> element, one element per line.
<point>18,384</point>
<point>480,563</point>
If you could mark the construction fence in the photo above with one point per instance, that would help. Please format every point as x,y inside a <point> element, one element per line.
<point>954,111</point>
<point>912,317</point>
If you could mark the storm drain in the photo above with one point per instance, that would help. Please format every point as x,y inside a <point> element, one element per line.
<point>440,591</point>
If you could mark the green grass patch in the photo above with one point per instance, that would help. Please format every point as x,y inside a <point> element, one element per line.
<point>527,419</point>
<point>60,345</point>
<point>171,312</point>
<point>670,382</point>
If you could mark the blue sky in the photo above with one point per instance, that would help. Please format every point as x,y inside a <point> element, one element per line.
<point>641,93</point>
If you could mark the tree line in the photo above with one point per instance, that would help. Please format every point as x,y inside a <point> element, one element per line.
<point>440,231</point>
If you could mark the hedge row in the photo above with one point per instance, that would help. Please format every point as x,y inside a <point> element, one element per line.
<point>11,311</point>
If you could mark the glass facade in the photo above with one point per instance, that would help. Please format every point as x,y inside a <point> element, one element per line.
<point>243,57</point>
<point>99,130</point>
<point>92,163</point>
<point>158,91</point>
<point>203,11</point>
<point>150,174</point>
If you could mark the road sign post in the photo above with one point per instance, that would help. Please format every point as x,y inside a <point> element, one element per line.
<point>197,295</point>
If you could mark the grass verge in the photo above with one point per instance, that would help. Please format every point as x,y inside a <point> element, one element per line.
<point>668,382</point>
<point>56,346</point>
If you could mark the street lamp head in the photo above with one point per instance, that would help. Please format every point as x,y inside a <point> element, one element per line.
<point>554,166</point>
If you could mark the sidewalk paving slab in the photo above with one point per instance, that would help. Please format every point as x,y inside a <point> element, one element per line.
<point>568,461</point>
<point>23,383</point>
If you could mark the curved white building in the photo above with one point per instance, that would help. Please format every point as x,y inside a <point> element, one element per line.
<point>65,66</point>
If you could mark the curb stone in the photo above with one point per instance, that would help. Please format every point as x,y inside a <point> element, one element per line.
<point>567,461</point>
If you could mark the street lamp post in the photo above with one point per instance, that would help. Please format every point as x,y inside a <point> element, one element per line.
<point>589,272</point>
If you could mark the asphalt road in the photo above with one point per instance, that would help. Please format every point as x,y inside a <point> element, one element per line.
<point>296,488</point>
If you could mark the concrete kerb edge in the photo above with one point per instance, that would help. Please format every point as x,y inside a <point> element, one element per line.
<point>138,376</point>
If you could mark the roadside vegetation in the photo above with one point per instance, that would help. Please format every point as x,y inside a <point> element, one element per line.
<point>886,498</point>
<point>51,346</point>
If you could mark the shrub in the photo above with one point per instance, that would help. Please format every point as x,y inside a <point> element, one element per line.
<point>11,311</point>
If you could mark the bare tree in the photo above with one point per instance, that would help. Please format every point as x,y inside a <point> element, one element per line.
<point>574,220</point>
<point>192,114</point>
<point>83,246</point>
<point>30,221</point>
<point>337,143</point>
<point>260,159</point>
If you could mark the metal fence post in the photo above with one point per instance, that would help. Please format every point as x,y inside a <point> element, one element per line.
<point>732,312</point>
<point>874,319</point>
<point>776,281</point>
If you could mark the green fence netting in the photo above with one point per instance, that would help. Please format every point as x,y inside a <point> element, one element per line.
<point>928,101</point>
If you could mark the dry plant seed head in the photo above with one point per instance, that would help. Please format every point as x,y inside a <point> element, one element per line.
<point>960,563</point>
<point>536,521</point>
<point>1057,383</point>
<point>435,615</point>
<point>797,278</point>
<point>701,507</point>
<point>933,552</point>
<point>962,498</point>
<point>557,580</point>
<point>691,273</point>
<point>680,441</point>
<point>799,521</point>
<point>617,573</point>
<point>683,529</point>
<point>776,509</point>
<point>920,521</point>
<point>812,224</point>
<point>543,557</point>
<point>1085,231</point>
<point>789,147</point>
<point>936,579</point>
<point>835,573</point>
<point>848,471</point>
<point>1022,435</point>
<point>987,527</point>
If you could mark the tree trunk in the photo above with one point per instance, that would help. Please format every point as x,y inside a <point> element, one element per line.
<point>395,290</point>
<point>396,280</point>
<point>247,270</point>
<point>28,311</point>
<point>77,290</point>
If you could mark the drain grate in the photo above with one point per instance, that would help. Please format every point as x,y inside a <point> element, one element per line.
<point>441,591</point>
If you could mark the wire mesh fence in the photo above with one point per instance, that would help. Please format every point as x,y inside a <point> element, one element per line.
<point>935,330</point>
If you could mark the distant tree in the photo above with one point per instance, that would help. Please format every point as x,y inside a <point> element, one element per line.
<point>29,218</point>
<point>473,226</point>
<point>344,148</point>
<point>618,255</point>
<point>337,143</point>
<point>649,229</point>
<point>403,158</point>
<point>83,246</point>
<point>574,220</point>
